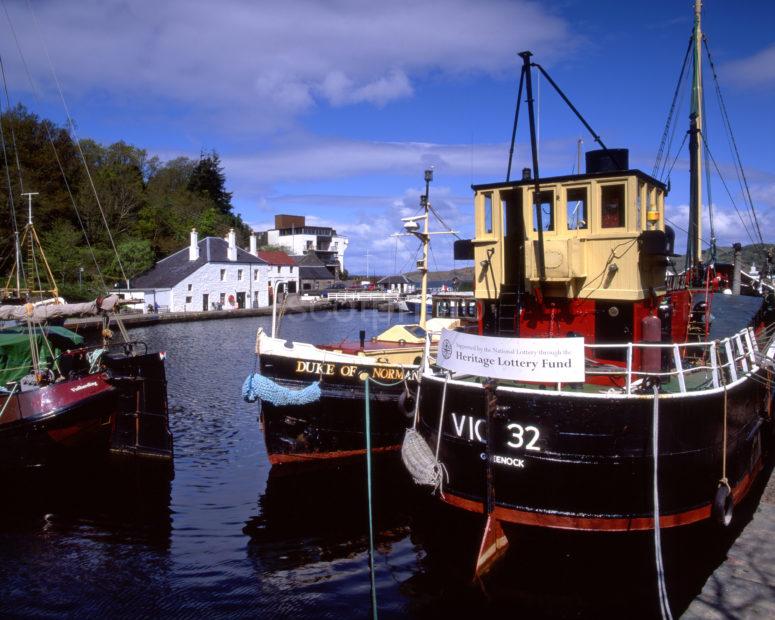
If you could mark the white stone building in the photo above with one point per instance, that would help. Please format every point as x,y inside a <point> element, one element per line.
<point>213,273</point>
<point>292,232</point>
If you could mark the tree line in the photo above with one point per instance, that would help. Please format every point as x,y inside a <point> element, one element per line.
<point>84,189</point>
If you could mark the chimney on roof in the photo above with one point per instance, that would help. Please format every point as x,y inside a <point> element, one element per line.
<point>253,247</point>
<point>193,248</point>
<point>232,239</point>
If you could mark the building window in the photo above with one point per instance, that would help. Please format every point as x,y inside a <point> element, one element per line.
<point>546,204</point>
<point>291,270</point>
<point>577,209</point>
<point>223,299</point>
<point>188,299</point>
<point>306,286</point>
<point>309,245</point>
<point>223,275</point>
<point>612,205</point>
<point>488,213</point>
<point>255,274</point>
<point>239,274</point>
<point>190,286</point>
<point>278,268</point>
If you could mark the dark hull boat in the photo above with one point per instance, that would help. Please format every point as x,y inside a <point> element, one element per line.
<point>581,458</point>
<point>331,425</point>
<point>121,410</point>
<point>599,394</point>
<point>313,397</point>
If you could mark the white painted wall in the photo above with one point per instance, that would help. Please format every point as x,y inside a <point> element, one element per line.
<point>187,295</point>
<point>297,244</point>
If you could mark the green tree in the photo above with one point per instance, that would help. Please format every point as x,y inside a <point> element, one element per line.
<point>62,245</point>
<point>209,180</point>
<point>41,158</point>
<point>136,257</point>
<point>118,173</point>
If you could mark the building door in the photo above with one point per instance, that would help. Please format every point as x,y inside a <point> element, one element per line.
<point>241,300</point>
<point>205,302</point>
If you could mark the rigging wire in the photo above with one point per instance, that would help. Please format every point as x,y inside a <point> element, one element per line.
<point>664,142</point>
<point>729,194</point>
<point>10,126</point>
<point>50,139</point>
<point>712,254</point>
<point>12,206</point>
<point>683,230</point>
<point>678,152</point>
<point>442,222</point>
<point>77,141</point>
<point>733,145</point>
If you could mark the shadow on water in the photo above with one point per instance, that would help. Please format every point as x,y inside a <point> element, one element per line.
<point>555,573</point>
<point>82,535</point>
<point>116,499</point>
<point>319,515</point>
<point>425,552</point>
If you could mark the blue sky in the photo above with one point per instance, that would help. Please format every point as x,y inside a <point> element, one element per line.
<point>332,109</point>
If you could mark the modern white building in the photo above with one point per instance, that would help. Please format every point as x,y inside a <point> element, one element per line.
<point>292,232</point>
<point>214,274</point>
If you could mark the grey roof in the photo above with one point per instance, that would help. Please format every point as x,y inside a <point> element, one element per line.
<point>314,273</point>
<point>399,279</point>
<point>310,259</point>
<point>176,267</point>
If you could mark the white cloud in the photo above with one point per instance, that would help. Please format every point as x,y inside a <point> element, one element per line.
<point>269,61</point>
<point>755,71</point>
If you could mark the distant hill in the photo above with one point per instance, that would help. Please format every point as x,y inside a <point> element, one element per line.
<point>466,274</point>
<point>751,254</point>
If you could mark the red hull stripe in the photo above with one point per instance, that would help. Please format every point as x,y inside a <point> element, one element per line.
<point>608,524</point>
<point>278,459</point>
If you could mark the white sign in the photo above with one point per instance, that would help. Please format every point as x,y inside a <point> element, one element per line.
<point>543,360</point>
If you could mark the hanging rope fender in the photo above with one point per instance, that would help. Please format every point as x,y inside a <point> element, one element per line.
<point>418,458</point>
<point>257,386</point>
<point>723,505</point>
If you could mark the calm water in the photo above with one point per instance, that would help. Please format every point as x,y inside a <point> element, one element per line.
<point>228,538</point>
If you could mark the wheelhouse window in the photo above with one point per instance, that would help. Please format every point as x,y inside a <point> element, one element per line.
<point>577,209</point>
<point>488,213</point>
<point>546,204</point>
<point>612,206</point>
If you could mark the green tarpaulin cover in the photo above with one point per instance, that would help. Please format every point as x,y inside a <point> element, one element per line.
<point>15,357</point>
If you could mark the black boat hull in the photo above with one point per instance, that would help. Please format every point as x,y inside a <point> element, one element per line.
<point>581,462</point>
<point>334,426</point>
<point>77,419</point>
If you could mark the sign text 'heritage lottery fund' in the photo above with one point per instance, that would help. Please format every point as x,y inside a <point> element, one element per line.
<point>550,360</point>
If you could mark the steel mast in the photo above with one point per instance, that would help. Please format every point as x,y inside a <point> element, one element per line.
<point>694,246</point>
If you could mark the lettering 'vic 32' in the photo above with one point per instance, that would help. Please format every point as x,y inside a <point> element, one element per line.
<point>520,436</point>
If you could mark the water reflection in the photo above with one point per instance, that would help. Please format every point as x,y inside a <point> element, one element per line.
<point>230,538</point>
<point>320,515</point>
<point>83,535</point>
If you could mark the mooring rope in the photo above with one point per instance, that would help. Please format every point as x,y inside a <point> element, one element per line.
<point>367,414</point>
<point>441,414</point>
<point>664,602</point>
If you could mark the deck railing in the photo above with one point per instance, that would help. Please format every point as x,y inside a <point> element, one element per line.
<point>694,365</point>
<point>364,295</point>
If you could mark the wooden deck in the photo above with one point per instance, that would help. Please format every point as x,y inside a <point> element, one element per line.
<point>743,586</point>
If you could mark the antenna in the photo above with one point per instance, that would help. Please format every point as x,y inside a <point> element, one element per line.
<point>29,204</point>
